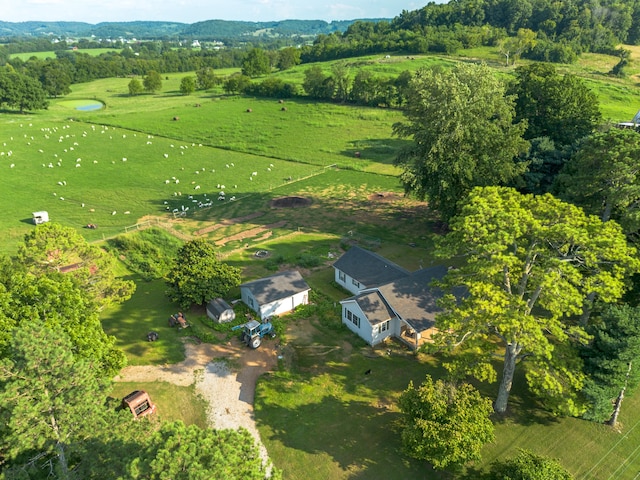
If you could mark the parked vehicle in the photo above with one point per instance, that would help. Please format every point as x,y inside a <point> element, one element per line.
<point>253,331</point>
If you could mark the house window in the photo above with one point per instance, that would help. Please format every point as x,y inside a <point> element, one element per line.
<point>384,326</point>
<point>353,318</point>
<point>341,276</point>
<point>355,282</point>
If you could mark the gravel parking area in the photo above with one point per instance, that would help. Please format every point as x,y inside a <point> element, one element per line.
<point>225,376</point>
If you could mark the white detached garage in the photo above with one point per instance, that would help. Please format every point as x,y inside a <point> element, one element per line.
<point>277,294</point>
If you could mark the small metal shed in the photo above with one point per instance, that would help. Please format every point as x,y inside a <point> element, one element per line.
<point>220,311</point>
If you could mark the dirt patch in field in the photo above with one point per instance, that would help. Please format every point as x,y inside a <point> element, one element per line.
<point>226,223</point>
<point>384,196</point>
<point>251,233</point>
<point>290,202</point>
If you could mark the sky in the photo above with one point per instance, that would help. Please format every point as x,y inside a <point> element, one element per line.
<point>191,11</point>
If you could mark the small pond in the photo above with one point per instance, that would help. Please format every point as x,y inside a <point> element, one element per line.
<point>85,105</point>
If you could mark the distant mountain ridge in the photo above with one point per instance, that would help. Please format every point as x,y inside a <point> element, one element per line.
<point>208,29</point>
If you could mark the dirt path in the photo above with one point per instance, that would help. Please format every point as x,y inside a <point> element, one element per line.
<point>225,375</point>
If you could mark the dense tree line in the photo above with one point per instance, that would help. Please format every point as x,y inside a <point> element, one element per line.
<point>563,30</point>
<point>546,276</point>
<point>139,60</point>
<point>54,423</point>
<point>21,92</point>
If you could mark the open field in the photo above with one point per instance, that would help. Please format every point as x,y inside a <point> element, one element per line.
<point>94,52</point>
<point>319,416</point>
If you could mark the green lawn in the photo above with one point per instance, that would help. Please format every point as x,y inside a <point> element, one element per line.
<point>148,310</point>
<point>172,402</point>
<point>321,417</point>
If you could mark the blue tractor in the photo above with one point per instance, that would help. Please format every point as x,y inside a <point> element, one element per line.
<point>253,331</point>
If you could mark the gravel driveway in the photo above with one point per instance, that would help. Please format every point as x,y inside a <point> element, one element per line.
<point>229,391</point>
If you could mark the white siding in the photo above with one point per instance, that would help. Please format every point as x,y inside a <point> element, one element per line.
<point>362,327</point>
<point>383,331</point>
<point>284,305</point>
<point>249,299</point>
<point>348,282</point>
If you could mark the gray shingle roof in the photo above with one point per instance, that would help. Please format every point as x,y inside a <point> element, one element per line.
<point>218,306</point>
<point>374,307</point>
<point>369,268</point>
<point>276,287</point>
<point>414,299</point>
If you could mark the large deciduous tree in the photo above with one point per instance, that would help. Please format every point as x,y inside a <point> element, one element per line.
<point>528,466</point>
<point>206,78</point>
<point>184,452</point>
<point>197,275</point>
<point>21,92</point>
<point>560,107</point>
<point>463,135</point>
<point>56,78</point>
<point>530,262</point>
<point>187,85</point>
<point>55,300</point>
<point>444,423</point>
<point>135,87</point>
<point>152,82</point>
<point>288,57</point>
<point>51,247</point>
<point>256,63</point>
<point>611,362</point>
<point>603,177</point>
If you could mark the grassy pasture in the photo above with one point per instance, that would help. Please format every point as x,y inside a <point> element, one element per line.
<point>320,134</point>
<point>322,418</point>
<point>94,52</point>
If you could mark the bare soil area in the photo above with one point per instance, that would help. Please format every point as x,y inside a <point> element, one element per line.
<point>251,233</point>
<point>225,375</point>
<point>290,202</point>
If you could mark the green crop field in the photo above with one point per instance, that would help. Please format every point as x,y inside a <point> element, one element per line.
<point>167,157</point>
<point>52,54</point>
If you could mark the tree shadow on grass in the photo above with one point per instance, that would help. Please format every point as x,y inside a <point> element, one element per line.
<point>358,436</point>
<point>147,310</point>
